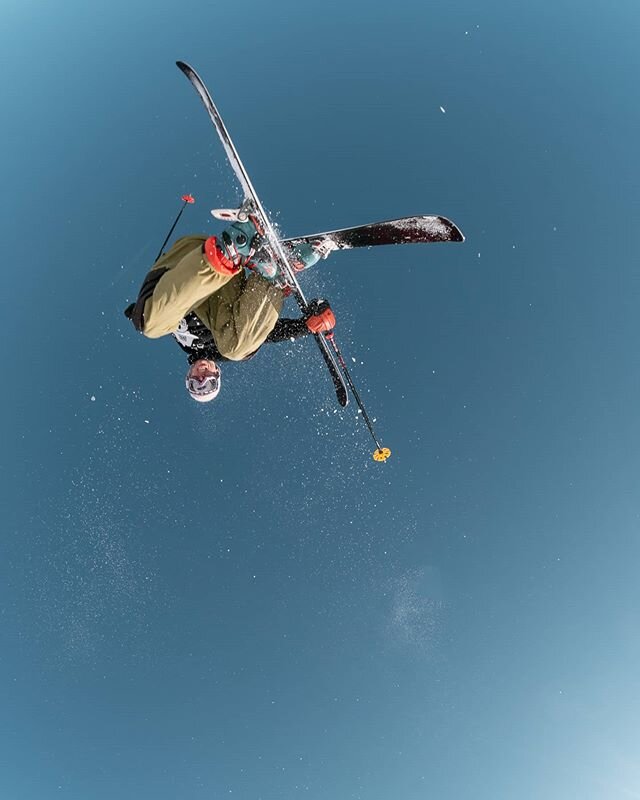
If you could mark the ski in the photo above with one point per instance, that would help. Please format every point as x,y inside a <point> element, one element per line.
<point>406,230</point>
<point>424,229</point>
<point>274,243</point>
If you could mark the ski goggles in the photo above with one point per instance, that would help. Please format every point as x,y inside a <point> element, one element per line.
<point>203,389</point>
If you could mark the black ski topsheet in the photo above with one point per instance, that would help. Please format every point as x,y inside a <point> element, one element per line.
<point>198,84</point>
<point>405,230</point>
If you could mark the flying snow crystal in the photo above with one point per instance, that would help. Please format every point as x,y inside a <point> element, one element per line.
<point>442,109</point>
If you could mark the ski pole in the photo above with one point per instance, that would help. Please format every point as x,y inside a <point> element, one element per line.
<point>381,453</point>
<point>188,199</point>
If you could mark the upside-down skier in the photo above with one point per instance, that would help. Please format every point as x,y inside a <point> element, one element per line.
<point>221,298</point>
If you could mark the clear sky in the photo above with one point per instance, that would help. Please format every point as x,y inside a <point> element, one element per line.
<point>201,602</point>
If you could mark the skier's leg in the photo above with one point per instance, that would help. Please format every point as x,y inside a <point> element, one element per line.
<point>179,281</point>
<point>244,321</point>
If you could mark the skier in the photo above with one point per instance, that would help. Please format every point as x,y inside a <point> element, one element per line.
<point>199,293</point>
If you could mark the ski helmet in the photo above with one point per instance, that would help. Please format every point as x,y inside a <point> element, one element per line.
<point>205,389</point>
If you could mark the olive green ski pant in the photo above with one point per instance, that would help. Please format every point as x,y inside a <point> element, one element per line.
<point>239,311</point>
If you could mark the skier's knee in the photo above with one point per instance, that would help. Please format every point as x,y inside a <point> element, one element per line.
<point>154,333</point>
<point>233,351</point>
<point>154,329</point>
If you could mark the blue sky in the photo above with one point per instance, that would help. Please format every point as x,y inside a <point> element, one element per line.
<point>238,601</point>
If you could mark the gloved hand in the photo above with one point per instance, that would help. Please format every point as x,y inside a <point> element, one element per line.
<point>320,317</point>
<point>240,241</point>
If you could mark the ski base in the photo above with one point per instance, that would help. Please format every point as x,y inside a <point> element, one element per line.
<point>405,230</point>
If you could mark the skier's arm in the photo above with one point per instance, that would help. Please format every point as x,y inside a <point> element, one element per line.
<point>287,329</point>
<point>320,318</point>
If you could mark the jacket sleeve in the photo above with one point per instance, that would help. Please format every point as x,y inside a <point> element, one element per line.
<point>287,329</point>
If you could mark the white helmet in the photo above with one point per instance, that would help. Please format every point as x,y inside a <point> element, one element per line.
<point>205,389</point>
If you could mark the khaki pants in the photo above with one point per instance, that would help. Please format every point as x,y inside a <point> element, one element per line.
<point>240,312</point>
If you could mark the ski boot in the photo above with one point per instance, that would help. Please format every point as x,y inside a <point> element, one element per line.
<point>307,254</point>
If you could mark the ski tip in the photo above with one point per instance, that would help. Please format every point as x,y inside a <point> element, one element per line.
<point>455,234</point>
<point>381,454</point>
<point>184,67</point>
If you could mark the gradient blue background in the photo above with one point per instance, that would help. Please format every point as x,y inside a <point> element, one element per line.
<point>237,601</point>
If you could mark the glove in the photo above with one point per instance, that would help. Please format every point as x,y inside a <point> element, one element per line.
<point>240,241</point>
<point>320,317</point>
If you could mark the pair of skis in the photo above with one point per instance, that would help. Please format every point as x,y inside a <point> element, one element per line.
<point>441,230</point>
